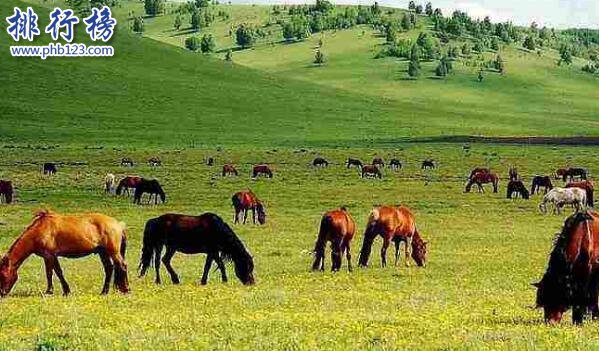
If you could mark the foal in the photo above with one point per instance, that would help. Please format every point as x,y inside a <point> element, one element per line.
<point>247,200</point>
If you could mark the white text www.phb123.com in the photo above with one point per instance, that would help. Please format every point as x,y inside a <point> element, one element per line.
<point>59,50</point>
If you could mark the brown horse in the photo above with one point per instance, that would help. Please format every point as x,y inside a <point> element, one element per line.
<point>152,187</point>
<point>377,161</point>
<point>6,191</point>
<point>539,182</point>
<point>320,162</point>
<point>572,173</point>
<point>397,224</point>
<point>154,162</point>
<point>352,162</point>
<point>588,187</point>
<point>560,173</point>
<point>371,171</point>
<point>481,178</point>
<point>247,200</point>
<point>129,182</point>
<point>51,235</point>
<point>261,169</point>
<point>572,275</point>
<point>517,187</point>
<point>338,228</point>
<point>478,170</point>
<point>229,169</point>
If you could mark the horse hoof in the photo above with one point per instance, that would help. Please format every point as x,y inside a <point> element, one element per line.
<point>49,292</point>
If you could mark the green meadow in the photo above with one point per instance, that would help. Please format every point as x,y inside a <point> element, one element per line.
<point>271,105</point>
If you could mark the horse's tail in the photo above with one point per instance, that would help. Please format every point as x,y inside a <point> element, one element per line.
<point>119,188</point>
<point>151,240</point>
<point>161,192</point>
<point>369,234</point>
<point>9,192</point>
<point>325,225</point>
<point>232,249</point>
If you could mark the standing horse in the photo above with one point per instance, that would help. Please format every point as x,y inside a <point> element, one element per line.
<point>397,224</point>
<point>150,186</point>
<point>261,169</point>
<point>560,197</point>
<point>540,181</point>
<point>126,162</point>
<point>478,170</point>
<point>371,171</point>
<point>320,162</point>
<point>513,173</point>
<point>51,235</point>
<point>588,187</point>
<point>109,182</point>
<point>395,164</point>
<point>229,169</point>
<point>572,276</point>
<point>559,173</point>
<point>352,162</point>
<point>338,228</point>
<point>129,182</point>
<point>210,161</point>
<point>247,200</point>
<point>6,191</point>
<point>572,173</point>
<point>154,162</point>
<point>190,235</point>
<point>516,186</point>
<point>428,164</point>
<point>481,178</point>
<point>49,168</point>
<point>377,161</point>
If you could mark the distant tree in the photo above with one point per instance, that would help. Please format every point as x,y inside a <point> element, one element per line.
<point>229,55</point>
<point>495,44</point>
<point>406,24</point>
<point>529,43</point>
<point>192,43</point>
<point>441,70</point>
<point>438,12</point>
<point>195,20</point>
<point>429,9</point>
<point>138,24</point>
<point>419,10</point>
<point>479,46</point>
<point>499,64</point>
<point>412,6</point>
<point>153,7</point>
<point>245,35</point>
<point>202,3</point>
<point>178,22</point>
<point>375,9</point>
<point>480,76</point>
<point>413,69</point>
<point>415,54</point>
<point>288,33</point>
<point>390,34</point>
<point>565,55</point>
<point>320,43</point>
<point>466,49</point>
<point>323,6</point>
<point>207,45</point>
<point>319,58</point>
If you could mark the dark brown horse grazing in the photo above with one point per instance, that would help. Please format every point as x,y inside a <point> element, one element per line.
<point>320,162</point>
<point>573,173</point>
<point>393,223</point>
<point>51,235</point>
<point>481,178</point>
<point>190,235</point>
<point>210,161</point>
<point>261,169</point>
<point>49,168</point>
<point>513,173</point>
<point>371,171</point>
<point>150,186</point>
<point>352,162</point>
<point>229,169</point>
<point>539,182</point>
<point>395,164</point>
<point>572,275</point>
<point>560,172</point>
<point>247,200</point>
<point>517,187</point>
<point>129,182</point>
<point>6,191</point>
<point>377,161</point>
<point>478,170</point>
<point>588,187</point>
<point>338,228</point>
<point>428,164</point>
<point>126,162</point>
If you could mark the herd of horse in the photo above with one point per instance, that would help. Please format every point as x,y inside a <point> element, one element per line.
<point>570,281</point>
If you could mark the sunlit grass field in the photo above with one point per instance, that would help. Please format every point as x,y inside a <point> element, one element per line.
<point>475,293</point>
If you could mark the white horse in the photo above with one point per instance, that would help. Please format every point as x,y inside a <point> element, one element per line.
<point>109,182</point>
<point>560,197</point>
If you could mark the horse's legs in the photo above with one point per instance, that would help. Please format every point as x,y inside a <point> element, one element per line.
<point>594,296</point>
<point>397,244</point>
<point>221,266</point>
<point>66,290</point>
<point>254,215</point>
<point>408,251</point>
<point>384,251</point>
<point>207,266</point>
<point>236,216</point>
<point>347,249</point>
<point>158,253</point>
<point>108,269</point>
<point>166,259</point>
<point>48,263</point>
<point>120,272</point>
<point>335,255</point>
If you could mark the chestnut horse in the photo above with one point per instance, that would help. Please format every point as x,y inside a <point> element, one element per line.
<point>397,224</point>
<point>478,170</point>
<point>190,235</point>
<point>229,169</point>
<point>588,187</point>
<point>6,191</point>
<point>261,169</point>
<point>540,181</point>
<point>572,276</point>
<point>517,187</point>
<point>51,235</point>
<point>481,178</point>
<point>320,162</point>
<point>338,228</point>
<point>129,182</point>
<point>371,171</point>
<point>377,161</point>
<point>247,200</point>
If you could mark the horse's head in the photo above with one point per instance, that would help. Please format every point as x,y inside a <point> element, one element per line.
<point>8,276</point>
<point>468,186</point>
<point>550,297</point>
<point>261,213</point>
<point>419,250</point>
<point>244,269</point>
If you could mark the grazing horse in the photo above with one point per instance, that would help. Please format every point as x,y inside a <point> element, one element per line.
<point>516,186</point>
<point>428,164</point>
<point>190,235</point>
<point>481,178</point>
<point>150,186</point>
<point>261,169</point>
<point>6,191</point>
<point>129,182</point>
<point>247,200</point>
<point>572,276</point>
<point>513,173</point>
<point>154,162</point>
<point>229,169</point>
<point>588,187</point>
<point>51,235</point>
<point>478,170</point>
<point>109,182</point>
<point>49,168</point>
<point>559,173</point>
<point>395,164</point>
<point>540,181</point>
<point>560,197</point>
<point>126,162</point>
<point>397,224</point>
<point>371,171</point>
<point>572,173</point>
<point>338,228</point>
<point>320,162</point>
<point>352,162</point>
<point>377,161</point>
<point>210,161</point>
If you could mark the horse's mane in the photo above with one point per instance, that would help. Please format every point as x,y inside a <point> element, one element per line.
<point>231,247</point>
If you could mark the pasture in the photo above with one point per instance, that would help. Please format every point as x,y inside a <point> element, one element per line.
<point>474,294</point>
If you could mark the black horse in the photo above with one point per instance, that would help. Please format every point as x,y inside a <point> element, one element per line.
<point>207,234</point>
<point>49,168</point>
<point>354,162</point>
<point>395,164</point>
<point>539,182</point>
<point>150,186</point>
<point>517,187</point>
<point>428,164</point>
<point>320,162</point>
<point>572,173</point>
<point>126,162</point>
